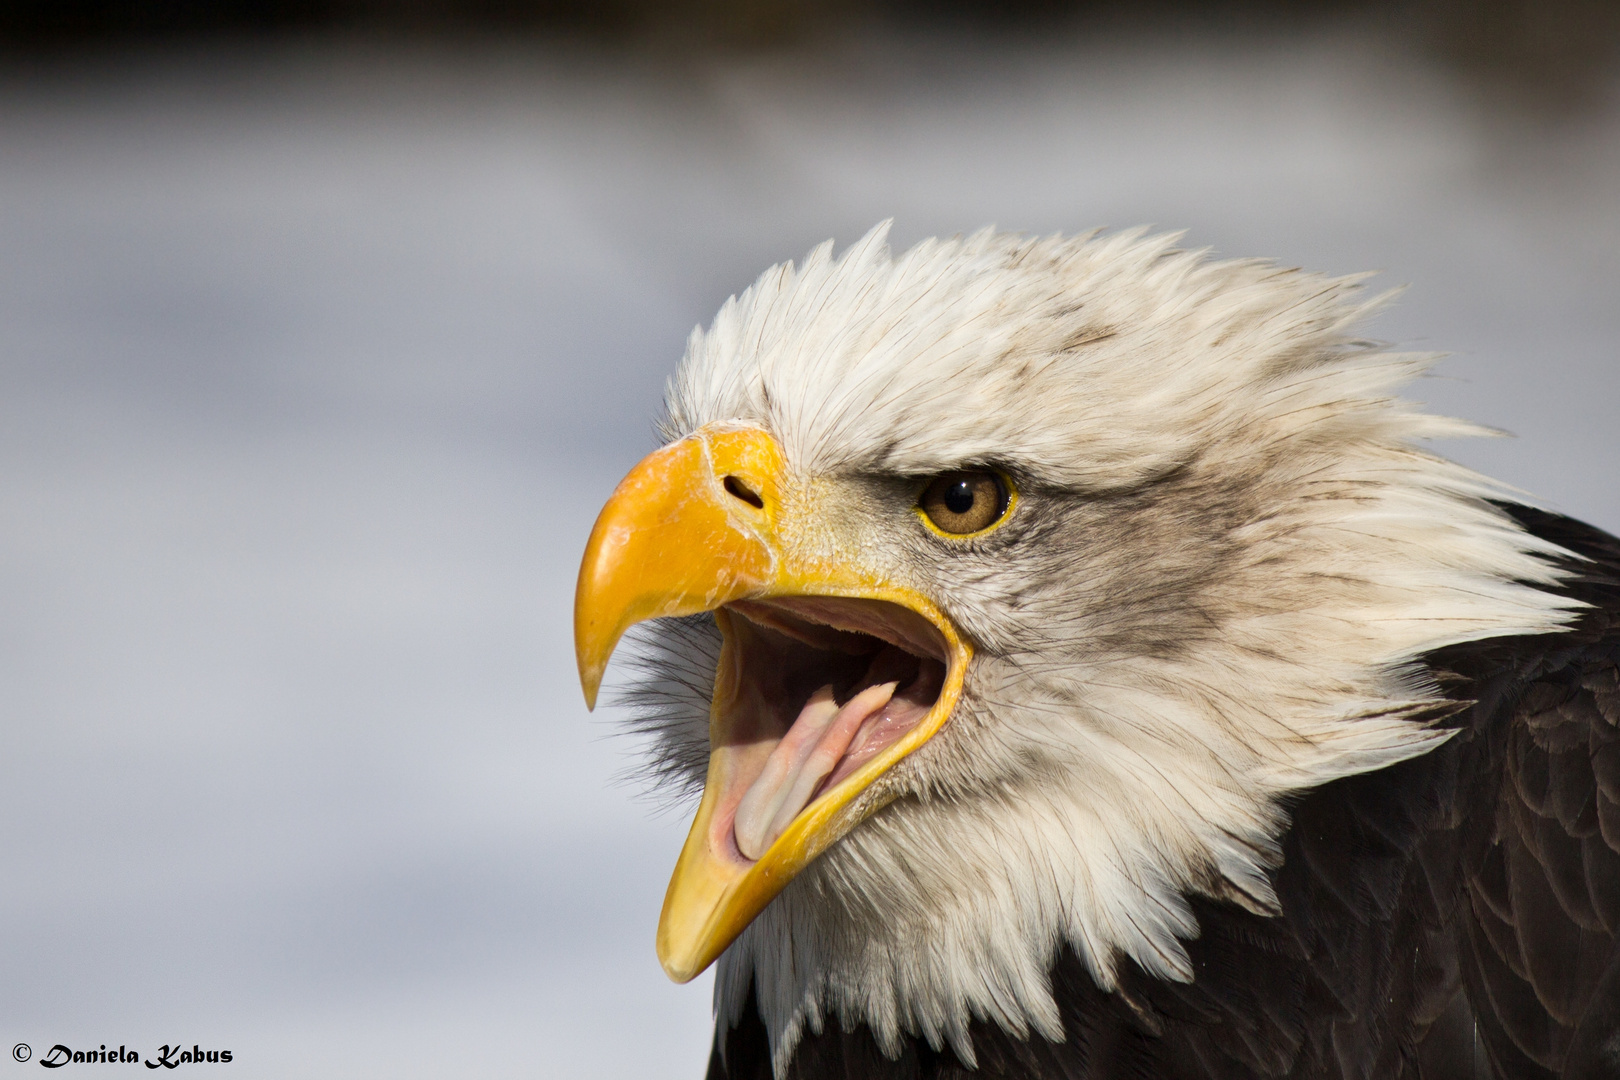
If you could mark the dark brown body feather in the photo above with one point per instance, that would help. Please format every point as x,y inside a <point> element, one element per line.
<point>1454,917</point>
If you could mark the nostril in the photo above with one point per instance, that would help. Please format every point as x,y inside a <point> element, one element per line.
<point>740,490</point>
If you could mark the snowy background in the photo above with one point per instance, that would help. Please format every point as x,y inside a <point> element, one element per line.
<point>317,360</point>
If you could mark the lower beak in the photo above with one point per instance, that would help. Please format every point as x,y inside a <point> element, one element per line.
<point>692,528</point>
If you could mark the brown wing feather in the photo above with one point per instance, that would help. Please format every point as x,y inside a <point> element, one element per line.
<point>1537,938</point>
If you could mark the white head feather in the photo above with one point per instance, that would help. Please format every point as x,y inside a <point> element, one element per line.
<point>1235,553</point>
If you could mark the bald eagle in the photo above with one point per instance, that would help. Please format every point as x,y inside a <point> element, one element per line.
<point>1086,671</point>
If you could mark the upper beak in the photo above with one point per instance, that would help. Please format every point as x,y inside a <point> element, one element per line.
<point>673,541</point>
<point>695,526</point>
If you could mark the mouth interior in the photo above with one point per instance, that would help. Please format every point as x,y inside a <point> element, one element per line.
<point>822,686</point>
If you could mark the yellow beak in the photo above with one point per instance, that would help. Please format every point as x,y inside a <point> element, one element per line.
<point>695,526</point>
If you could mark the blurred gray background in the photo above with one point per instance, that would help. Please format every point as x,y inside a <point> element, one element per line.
<point>325,330</point>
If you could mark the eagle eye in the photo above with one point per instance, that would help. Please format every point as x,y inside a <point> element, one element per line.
<point>962,503</point>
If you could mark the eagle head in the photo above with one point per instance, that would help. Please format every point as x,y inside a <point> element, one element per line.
<point>998,596</point>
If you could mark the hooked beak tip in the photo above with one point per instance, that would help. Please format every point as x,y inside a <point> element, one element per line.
<point>590,681</point>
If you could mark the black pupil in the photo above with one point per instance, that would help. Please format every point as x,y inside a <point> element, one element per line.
<point>959,497</point>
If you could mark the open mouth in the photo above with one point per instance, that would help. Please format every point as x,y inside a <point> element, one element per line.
<point>818,687</point>
<point>829,674</point>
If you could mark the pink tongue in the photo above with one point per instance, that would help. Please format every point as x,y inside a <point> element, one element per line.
<point>806,755</point>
